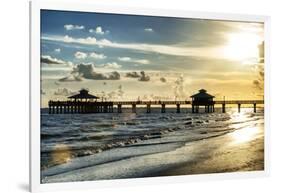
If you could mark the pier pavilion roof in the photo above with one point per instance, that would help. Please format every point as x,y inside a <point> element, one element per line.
<point>83,94</point>
<point>202,94</point>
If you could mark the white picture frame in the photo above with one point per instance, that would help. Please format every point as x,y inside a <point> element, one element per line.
<point>36,6</point>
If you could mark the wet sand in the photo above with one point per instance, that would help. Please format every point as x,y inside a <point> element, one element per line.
<point>233,156</point>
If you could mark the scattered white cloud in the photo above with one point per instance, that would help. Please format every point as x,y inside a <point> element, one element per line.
<point>80,55</point>
<point>98,30</point>
<point>46,59</point>
<point>175,50</point>
<point>128,59</point>
<point>111,65</point>
<point>148,30</point>
<point>97,56</point>
<point>69,27</point>
<point>58,50</point>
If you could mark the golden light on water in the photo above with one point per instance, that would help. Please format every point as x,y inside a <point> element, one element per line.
<point>61,154</point>
<point>243,133</point>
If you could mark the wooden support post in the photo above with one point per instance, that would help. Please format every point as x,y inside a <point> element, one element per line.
<point>192,108</point>
<point>134,109</point>
<point>178,108</point>
<point>148,109</point>
<point>163,108</point>
<point>255,107</point>
<point>223,108</point>
<point>57,109</point>
<point>71,107</point>
<point>105,109</point>
<point>239,108</point>
<point>197,109</point>
<point>119,108</point>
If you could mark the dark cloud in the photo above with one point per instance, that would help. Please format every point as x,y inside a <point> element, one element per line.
<point>132,75</point>
<point>87,71</point>
<point>63,92</point>
<point>143,77</point>
<point>50,60</point>
<point>162,79</point>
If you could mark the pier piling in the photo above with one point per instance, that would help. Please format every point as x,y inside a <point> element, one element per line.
<point>148,109</point>
<point>119,108</point>
<point>223,108</point>
<point>134,108</point>
<point>178,108</point>
<point>163,109</point>
<point>239,107</point>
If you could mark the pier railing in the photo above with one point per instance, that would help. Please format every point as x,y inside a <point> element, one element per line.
<point>61,107</point>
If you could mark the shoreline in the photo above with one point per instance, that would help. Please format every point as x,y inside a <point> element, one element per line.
<point>248,156</point>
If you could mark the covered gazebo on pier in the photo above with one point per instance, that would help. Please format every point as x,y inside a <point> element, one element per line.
<point>83,102</point>
<point>83,95</point>
<point>202,99</point>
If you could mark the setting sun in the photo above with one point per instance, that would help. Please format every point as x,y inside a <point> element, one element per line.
<point>242,47</point>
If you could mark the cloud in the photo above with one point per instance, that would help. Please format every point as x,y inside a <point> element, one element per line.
<point>175,50</point>
<point>46,59</point>
<point>58,50</point>
<point>259,82</point>
<point>132,75</point>
<point>179,88</point>
<point>148,30</point>
<point>162,79</point>
<point>112,65</point>
<point>69,27</point>
<point>98,31</point>
<point>63,92</point>
<point>128,59</point>
<point>80,55</point>
<point>87,71</point>
<point>73,77</point>
<point>143,77</point>
<point>97,56</point>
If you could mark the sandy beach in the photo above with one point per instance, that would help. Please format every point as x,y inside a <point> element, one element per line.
<point>232,156</point>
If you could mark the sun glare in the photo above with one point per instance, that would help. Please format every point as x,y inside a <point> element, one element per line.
<point>242,47</point>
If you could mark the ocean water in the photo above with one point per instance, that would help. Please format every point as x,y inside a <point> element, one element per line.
<point>78,147</point>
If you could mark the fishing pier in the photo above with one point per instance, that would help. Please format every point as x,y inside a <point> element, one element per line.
<point>86,103</point>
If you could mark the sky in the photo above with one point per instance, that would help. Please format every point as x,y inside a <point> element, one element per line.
<point>130,57</point>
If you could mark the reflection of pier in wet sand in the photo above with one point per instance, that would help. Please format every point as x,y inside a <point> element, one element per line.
<point>86,103</point>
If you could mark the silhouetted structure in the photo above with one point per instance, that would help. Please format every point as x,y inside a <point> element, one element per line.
<point>202,99</point>
<point>87,103</point>
<point>83,94</point>
<point>80,103</point>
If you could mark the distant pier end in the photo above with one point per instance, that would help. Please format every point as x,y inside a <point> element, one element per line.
<point>80,103</point>
<point>83,102</point>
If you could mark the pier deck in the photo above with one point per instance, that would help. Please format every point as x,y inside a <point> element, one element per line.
<point>63,107</point>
